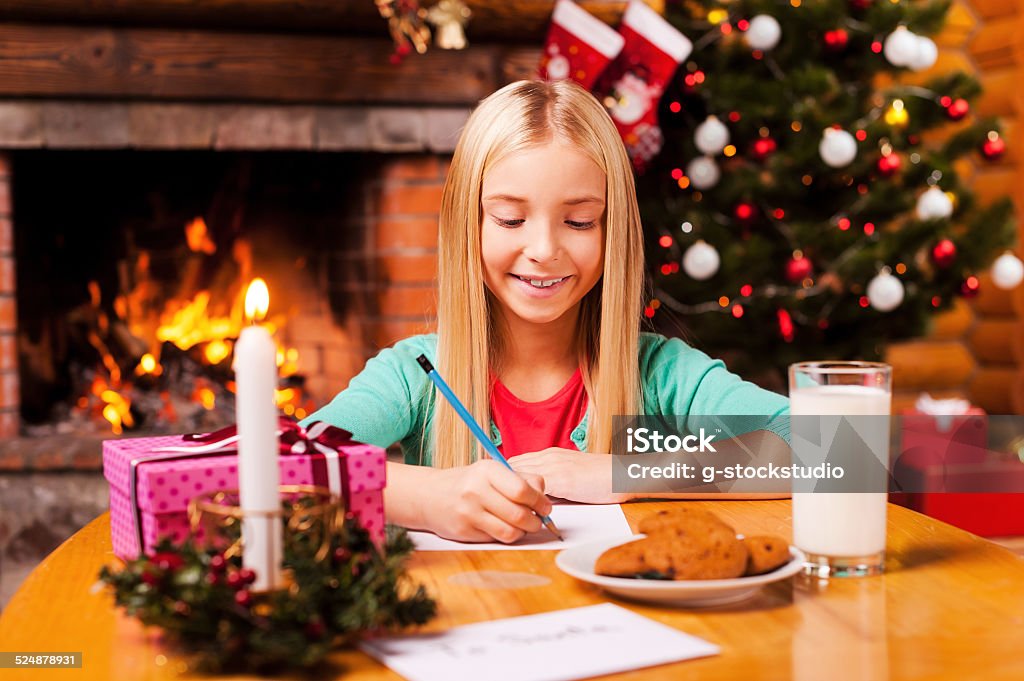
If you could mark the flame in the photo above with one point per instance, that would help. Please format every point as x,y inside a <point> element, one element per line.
<point>198,237</point>
<point>257,300</point>
<point>217,351</point>
<point>207,398</point>
<point>148,366</point>
<point>117,410</point>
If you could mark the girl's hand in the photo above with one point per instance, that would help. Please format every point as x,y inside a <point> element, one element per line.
<point>571,474</point>
<point>484,502</point>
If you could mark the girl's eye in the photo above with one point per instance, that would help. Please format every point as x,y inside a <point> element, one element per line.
<point>580,225</point>
<point>509,223</point>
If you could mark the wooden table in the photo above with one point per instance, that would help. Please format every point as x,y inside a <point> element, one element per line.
<point>951,606</point>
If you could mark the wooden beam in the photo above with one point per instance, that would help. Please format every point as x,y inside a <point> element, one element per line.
<point>523,21</point>
<point>69,62</point>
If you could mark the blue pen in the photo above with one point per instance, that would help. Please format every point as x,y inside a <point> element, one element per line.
<point>485,441</point>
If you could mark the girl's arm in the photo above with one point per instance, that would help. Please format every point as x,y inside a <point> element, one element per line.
<point>482,502</point>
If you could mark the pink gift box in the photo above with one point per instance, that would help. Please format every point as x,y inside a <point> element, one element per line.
<point>155,506</point>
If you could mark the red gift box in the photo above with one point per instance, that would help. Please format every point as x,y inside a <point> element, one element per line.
<point>943,454</point>
<point>152,479</point>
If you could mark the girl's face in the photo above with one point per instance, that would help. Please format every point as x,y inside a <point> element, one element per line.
<point>543,231</point>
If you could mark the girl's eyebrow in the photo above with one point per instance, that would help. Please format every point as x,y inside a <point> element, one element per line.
<point>519,199</point>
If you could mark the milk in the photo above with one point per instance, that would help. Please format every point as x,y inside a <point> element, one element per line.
<point>840,524</point>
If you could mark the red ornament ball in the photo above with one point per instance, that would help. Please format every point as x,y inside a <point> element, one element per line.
<point>764,147</point>
<point>889,165</point>
<point>798,269</point>
<point>957,109</point>
<point>745,212</point>
<point>243,597</point>
<point>860,5</point>
<point>836,40</point>
<point>944,253</point>
<point>993,148</point>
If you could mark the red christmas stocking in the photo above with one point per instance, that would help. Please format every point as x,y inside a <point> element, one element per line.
<point>635,80</point>
<point>579,45</point>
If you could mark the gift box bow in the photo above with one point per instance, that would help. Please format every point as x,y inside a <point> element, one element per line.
<point>321,441</point>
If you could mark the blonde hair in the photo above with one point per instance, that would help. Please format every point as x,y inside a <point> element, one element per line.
<point>518,116</point>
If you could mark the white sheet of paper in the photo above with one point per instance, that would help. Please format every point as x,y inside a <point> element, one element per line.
<point>555,646</point>
<point>578,523</point>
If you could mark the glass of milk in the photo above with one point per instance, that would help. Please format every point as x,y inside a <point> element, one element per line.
<point>843,533</point>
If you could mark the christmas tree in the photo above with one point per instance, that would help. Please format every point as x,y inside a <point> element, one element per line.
<point>802,206</point>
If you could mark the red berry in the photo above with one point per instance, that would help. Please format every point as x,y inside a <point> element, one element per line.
<point>957,109</point>
<point>151,578</point>
<point>182,608</point>
<point>235,580</point>
<point>218,563</point>
<point>247,576</point>
<point>315,628</point>
<point>341,554</point>
<point>168,561</point>
<point>243,597</point>
<point>212,578</point>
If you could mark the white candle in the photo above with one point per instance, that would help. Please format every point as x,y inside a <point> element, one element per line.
<point>258,474</point>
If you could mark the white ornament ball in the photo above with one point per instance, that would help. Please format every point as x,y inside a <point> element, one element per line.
<point>701,261</point>
<point>703,172</point>
<point>925,55</point>
<point>900,47</point>
<point>838,148</point>
<point>885,292</point>
<point>934,205</point>
<point>1007,271</point>
<point>764,32</point>
<point>711,136</point>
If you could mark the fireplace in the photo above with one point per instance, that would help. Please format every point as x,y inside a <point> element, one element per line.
<point>103,250</point>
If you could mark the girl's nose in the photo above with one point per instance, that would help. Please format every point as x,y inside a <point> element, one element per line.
<point>542,242</point>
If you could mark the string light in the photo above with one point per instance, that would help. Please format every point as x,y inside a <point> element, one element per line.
<point>717,16</point>
<point>897,115</point>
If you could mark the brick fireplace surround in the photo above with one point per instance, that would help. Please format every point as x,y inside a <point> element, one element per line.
<point>397,200</point>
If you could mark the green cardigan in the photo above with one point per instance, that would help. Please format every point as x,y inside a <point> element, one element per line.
<point>389,401</point>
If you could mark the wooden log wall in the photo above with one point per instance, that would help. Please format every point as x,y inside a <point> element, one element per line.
<point>976,350</point>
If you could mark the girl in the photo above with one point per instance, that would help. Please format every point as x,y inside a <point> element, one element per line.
<point>540,283</point>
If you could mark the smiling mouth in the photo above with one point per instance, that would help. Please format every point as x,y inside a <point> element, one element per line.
<point>541,283</point>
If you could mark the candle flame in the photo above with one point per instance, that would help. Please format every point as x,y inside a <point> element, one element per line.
<point>257,300</point>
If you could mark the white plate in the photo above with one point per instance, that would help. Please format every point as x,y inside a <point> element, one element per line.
<point>579,562</point>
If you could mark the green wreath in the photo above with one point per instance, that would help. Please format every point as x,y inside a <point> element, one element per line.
<point>202,599</point>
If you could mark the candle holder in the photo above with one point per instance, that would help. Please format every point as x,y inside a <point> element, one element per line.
<point>310,515</point>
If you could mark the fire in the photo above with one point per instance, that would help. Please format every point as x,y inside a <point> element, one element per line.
<point>203,323</point>
<point>217,351</point>
<point>257,300</point>
<point>148,366</point>
<point>198,237</point>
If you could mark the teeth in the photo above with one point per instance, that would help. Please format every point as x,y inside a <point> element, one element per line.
<point>542,283</point>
